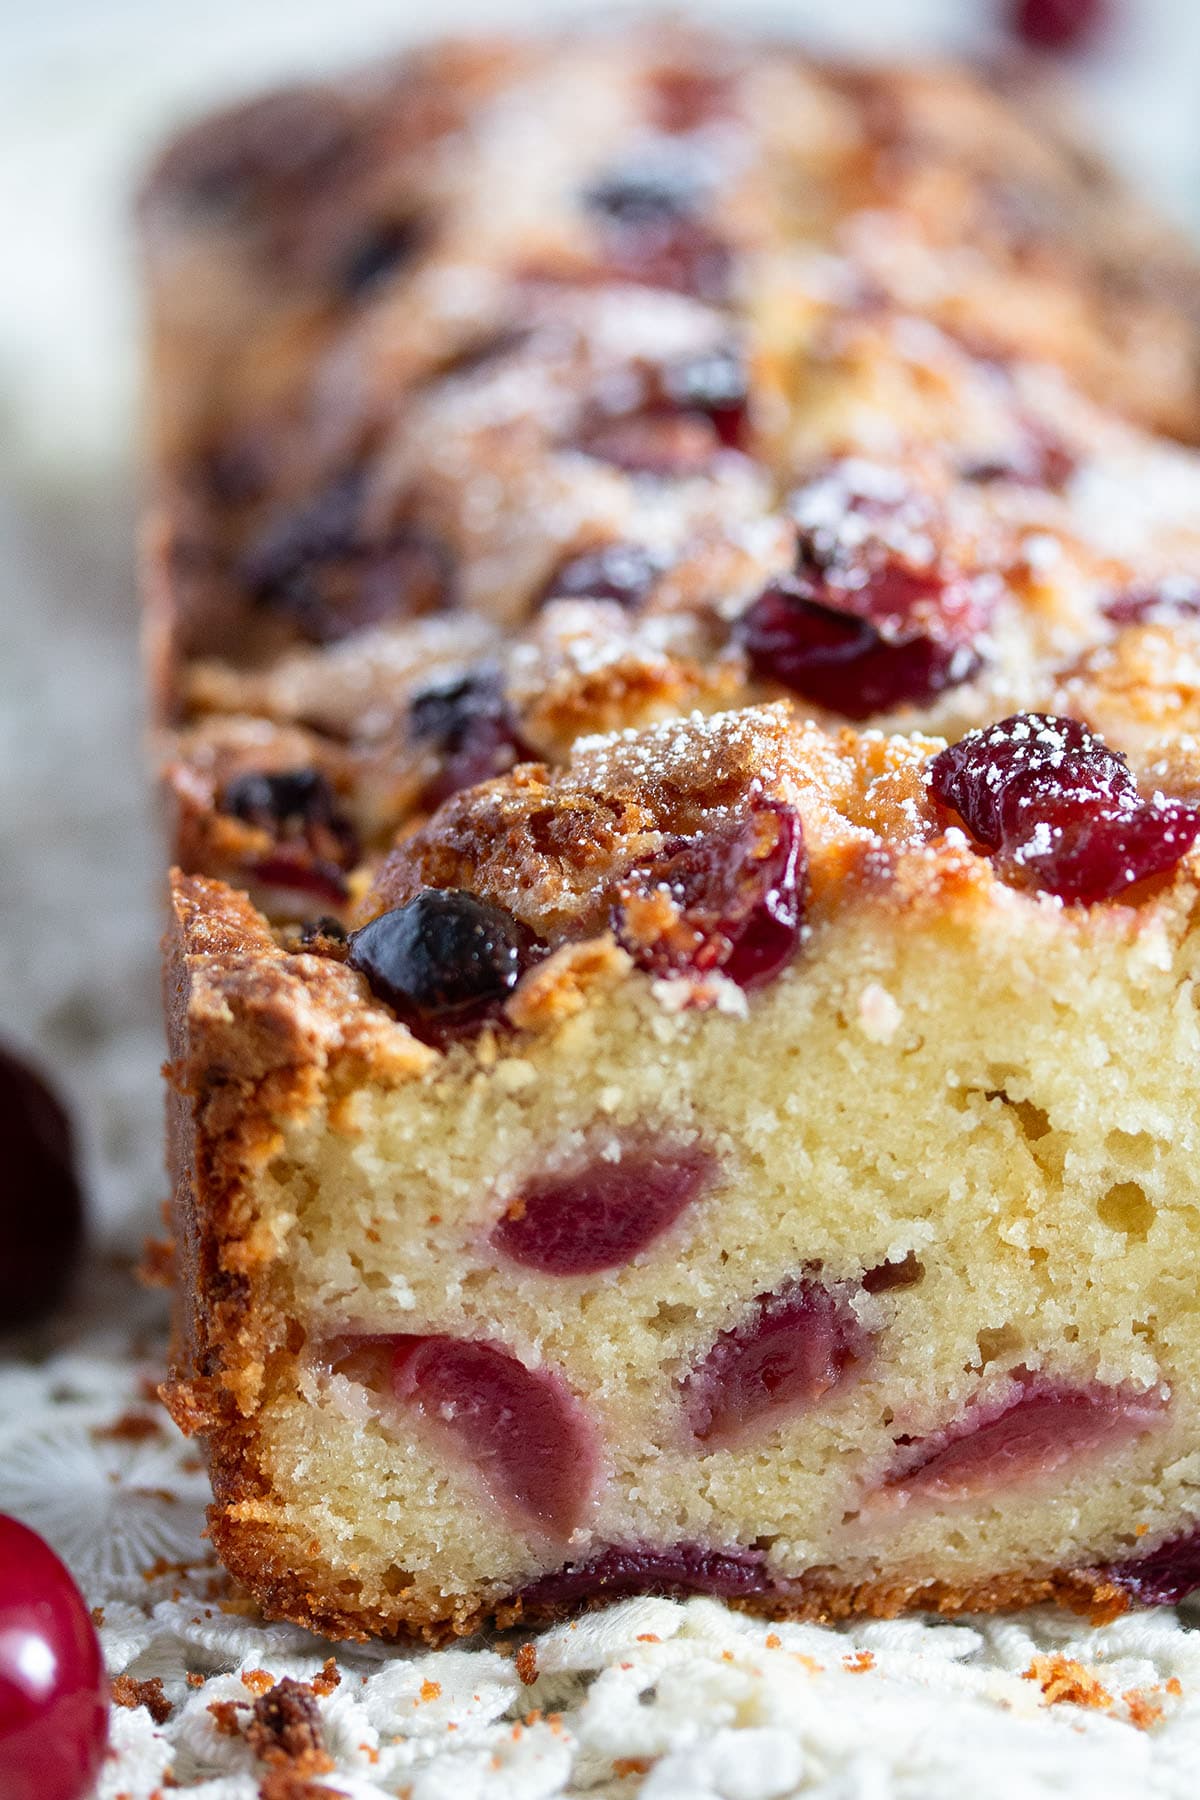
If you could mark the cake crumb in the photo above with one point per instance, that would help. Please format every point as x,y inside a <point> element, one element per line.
<point>1062,1679</point>
<point>858,1662</point>
<point>527,1663</point>
<point>1143,1711</point>
<point>430,1690</point>
<point>259,1681</point>
<point>126,1691</point>
<point>286,1729</point>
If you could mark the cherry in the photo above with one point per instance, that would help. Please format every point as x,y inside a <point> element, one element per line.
<point>899,638</point>
<point>1058,24</point>
<point>793,1347</point>
<point>691,409</point>
<point>41,1210</point>
<point>1060,809</point>
<point>648,212</point>
<point>443,961</point>
<point>521,1428</point>
<point>319,566</point>
<point>601,1215</point>
<point>730,901</point>
<point>1162,1576</point>
<point>470,725</point>
<point>53,1691</point>
<point>1037,1432</point>
<point>620,1570</point>
<point>316,842</point>
<point>617,571</point>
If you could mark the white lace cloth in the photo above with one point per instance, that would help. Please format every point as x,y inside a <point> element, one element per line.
<point>657,1698</point>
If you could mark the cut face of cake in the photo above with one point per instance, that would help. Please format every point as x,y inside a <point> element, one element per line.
<point>751,1161</point>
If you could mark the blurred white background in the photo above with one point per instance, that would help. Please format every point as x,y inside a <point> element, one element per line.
<point>87,87</point>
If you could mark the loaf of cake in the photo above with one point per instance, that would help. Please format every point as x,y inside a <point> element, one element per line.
<point>673,598</point>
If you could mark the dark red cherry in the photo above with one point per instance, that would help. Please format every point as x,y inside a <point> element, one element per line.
<point>601,1214</point>
<point>318,565</point>
<point>443,961</point>
<point>1059,808</point>
<point>53,1690</point>
<point>41,1205</point>
<point>715,384</point>
<point>898,640</point>
<point>649,214</point>
<point>469,724</point>
<point>315,840</point>
<point>521,1429</point>
<point>622,1570</point>
<point>1062,25</point>
<point>729,901</point>
<point>1038,1431</point>
<point>793,1347</point>
<point>1161,1576</point>
<point>1001,778</point>
<point>617,571</point>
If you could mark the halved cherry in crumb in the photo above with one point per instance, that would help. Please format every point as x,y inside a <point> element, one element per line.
<point>521,1429</point>
<point>791,1349</point>
<point>633,1569</point>
<point>1035,1430</point>
<point>602,1213</point>
<point>729,901</point>
<point>1161,1576</point>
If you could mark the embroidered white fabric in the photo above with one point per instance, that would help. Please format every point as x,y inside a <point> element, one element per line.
<point>658,1698</point>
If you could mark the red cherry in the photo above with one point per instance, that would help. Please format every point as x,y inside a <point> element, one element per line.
<point>53,1690</point>
<point>1042,1428</point>
<point>786,1354</point>
<point>1058,24</point>
<point>41,1208</point>
<point>523,1429</point>
<point>600,1214</point>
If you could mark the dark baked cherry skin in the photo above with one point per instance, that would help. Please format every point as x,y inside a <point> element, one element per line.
<point>691,410</point>
<point>629,1569</point>
<point>602,1214</point>
<point>444,961</point>
<point>1061,25</point>
<point>521,1429</point>
<point>649,215</point>
<point>315,841</point>
<point>1162,1576</point>
<point>617,571</point>
<point>318,567</point>
<point>470,725</point>
<point>41,1205</point>
<point>901,638</point>
<point>728,902</point>
<point>1059,809</point>
<point>1044,1427</point>
<point>53,1690</point>
<point>793,1347</point>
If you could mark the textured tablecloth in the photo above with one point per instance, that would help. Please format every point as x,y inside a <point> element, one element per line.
<point>670,1701</point>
